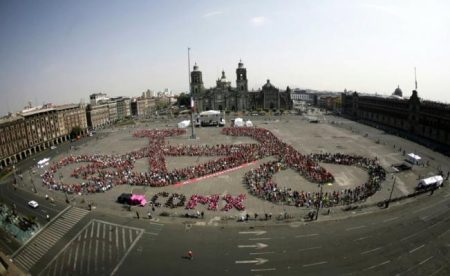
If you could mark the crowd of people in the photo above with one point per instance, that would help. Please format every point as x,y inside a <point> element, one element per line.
<point>99,173</point>
<point>260,182</point>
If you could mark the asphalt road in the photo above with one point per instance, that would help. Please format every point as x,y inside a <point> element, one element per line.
<point>411,239</point>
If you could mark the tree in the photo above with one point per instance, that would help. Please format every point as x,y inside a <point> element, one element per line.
<point>76,131</point>
<point>184,99</point>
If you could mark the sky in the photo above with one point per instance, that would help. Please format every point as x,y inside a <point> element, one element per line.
<point>63,51</point>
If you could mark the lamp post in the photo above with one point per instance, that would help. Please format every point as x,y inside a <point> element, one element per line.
<point>320,199</point>
<point>390,195</point>
<point>32,182</point>
<point>191,96</point>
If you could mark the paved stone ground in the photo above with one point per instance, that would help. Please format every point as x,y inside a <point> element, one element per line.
<point>332,134</point>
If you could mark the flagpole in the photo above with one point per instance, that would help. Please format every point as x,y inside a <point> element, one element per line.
<point>191,96</point>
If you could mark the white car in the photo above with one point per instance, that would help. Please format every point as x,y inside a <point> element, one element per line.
<point>33,204</point>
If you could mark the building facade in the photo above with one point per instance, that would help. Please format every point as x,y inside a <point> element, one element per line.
<point>225,97</point>
<point>35,129</point>
<point>422,121</point>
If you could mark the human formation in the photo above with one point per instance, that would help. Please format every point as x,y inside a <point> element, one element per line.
<point>99,173</point>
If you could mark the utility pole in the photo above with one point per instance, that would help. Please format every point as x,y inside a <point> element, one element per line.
<point>192,97</point>
<point>390,195</point>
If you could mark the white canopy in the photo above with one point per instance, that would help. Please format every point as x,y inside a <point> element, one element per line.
<point>238,122</point>
<point>248,123</point>
<point>184,124</point>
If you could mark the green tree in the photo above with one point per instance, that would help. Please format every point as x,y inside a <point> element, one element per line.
<point>76,131</point>
<point>184,99</point>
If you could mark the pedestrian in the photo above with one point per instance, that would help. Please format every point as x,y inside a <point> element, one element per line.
<point>267,216</point>
<point>256,216</point>
<point>202,214</point>
<point>432,191</point>
<point>149,215</point>
<point>137,214</point>
<point>328,212</point>
<point>247,216</point>
<point>190,255</point>
<point>270,215</point>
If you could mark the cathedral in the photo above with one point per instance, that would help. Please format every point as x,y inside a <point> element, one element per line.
<point>225,97</point>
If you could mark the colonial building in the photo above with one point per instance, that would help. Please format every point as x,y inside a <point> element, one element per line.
<point>97,115</point>
<point>35,129</point>
<point>225,97</point>
<point>142,106</point>
<point>422,121</point>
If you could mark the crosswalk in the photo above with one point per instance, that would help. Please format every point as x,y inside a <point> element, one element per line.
<point>98,249</point>
<point>28,255</point>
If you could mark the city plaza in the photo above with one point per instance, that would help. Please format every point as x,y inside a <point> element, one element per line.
<point>332,135</point>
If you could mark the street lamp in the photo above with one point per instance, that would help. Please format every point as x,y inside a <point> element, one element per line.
<point>32,182</point>
<point>320,199</point>
<point>390,195</point>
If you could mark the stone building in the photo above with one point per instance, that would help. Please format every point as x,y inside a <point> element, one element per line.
<point>225,97</point>
<point>425,122</point>
<point>35,129</point>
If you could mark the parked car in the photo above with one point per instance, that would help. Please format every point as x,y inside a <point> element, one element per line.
<point>33,204</point>
<point>124,198</point>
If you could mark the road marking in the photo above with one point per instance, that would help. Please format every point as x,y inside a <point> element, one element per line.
<point>410,236</point>
<point>257,245</point>
<point>377,265</point>
<point>362,238</point>
<point>370,251</point>
<point>256,261</point>
<point>355,228</point>
<point>259,239</point>
<point>258,233</point>
<point>307,235</point>
<point>128,252</point>
<point>313,264</point>
<point>262,253</point>
<point>426,260</point>
<point>443,233</point>
<point>151,233</point>
<point>417,248</point>
<point>389,219</point>
<point>433,225</point>
<point>310,248</point>
<point>263,269</point>
<point>429,206</point>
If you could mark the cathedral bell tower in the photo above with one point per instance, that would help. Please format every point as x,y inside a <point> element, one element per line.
<point>241,78</point>
<point>196,81</point>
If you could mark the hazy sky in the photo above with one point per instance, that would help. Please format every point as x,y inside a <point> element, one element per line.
<point>62,51</point>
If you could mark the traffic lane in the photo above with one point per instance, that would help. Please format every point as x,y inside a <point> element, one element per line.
<point>21,199</point>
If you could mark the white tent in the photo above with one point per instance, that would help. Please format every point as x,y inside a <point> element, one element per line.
<point>249,123</point>
<point>436,181</point>
<point>238,122</point>
<point>413,158</point>
<point>184,124</point>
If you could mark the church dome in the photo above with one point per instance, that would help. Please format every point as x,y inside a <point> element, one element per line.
<point>398,92</point>
<point>240,64</point>
<point>268,84</point>
<point>223,78</point>
<point>195,67</point>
